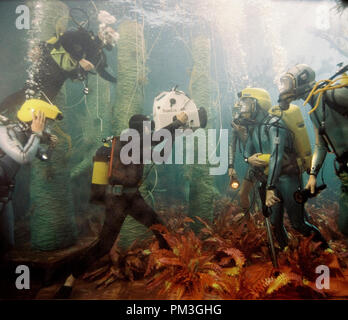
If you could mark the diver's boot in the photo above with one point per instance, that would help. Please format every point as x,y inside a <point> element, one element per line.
<point>64,292</point>
<point>163,244</point>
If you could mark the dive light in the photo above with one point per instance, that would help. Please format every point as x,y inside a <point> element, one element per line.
<point>234,183</point>
<point>44,154</point>
<point>302,196</point>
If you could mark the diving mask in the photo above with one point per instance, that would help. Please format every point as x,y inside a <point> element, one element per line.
<point>247,111</point>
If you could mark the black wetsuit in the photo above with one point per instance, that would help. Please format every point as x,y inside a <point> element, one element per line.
<point>118,206</point>
<point>50,77</point>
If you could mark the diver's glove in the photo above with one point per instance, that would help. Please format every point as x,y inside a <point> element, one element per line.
<point>271,198</point>
<point>106,75</point>
<point>182,117</point>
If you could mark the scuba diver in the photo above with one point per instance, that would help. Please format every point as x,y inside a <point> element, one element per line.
<point>329,102</point>
<point>239,137</point>
<point>280,174</point>
<point>72,54</point>
<point>117,186</point>
<point>20,144</point>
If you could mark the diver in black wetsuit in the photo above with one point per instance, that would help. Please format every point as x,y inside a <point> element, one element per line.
<point>122,197</point>
<point>71,55</point>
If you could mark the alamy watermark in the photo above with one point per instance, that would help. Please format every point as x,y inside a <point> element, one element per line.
<point>323,281</point>
<point>23,19</point>
<point>23,280</point>
<point>140,147</point>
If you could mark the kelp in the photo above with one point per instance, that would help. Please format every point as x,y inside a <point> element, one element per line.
<point>52,221</point>
<point>131,74</point>
<point>201,190</point>
<point>95,122</point>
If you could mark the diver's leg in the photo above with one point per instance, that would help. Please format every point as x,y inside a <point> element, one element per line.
<point>143,213</point>
<point>296,212</point>
<point>244,192</point>
<point>343,205</point>
<point>12,101</point>
<point>277,220</point>
<point>115,214</point>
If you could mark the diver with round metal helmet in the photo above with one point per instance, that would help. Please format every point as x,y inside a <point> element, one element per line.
<point>271,154</point>
<point>329,113</point>
<point>20,144</point>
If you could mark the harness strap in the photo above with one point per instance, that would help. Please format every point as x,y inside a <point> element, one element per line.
<point>112,156</point>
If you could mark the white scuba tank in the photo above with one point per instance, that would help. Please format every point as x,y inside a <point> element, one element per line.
<point>170,103</point>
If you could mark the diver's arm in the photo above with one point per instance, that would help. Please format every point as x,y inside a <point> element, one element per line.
<point>318,159</point>
<point>338,96</point>
<point>14,149</point>
<point>181,119</point>
<point>232,150</point>
<point>171,128</point>
<point>77,43</point>
<point>106,75</point>
<point>277,136</point>
<point>319,154</point>
<point>249,148</point>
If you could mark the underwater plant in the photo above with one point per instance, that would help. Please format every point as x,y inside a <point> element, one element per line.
<point>95,124</point>
<point>223,263</point>
<point>186,271</point>
<point>131,70</point>
<point>52,221</point>
<point>201,190</point>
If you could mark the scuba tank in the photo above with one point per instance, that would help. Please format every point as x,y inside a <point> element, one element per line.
<point>102,169</point>
<point>294,121</point>
<point>101,165</point>
<point>100,175</point>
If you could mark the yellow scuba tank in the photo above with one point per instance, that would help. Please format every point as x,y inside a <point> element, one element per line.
<point>101,161</point>
<point>294,121</point>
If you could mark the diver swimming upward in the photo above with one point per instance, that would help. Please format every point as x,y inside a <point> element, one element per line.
<point>72,54</point>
